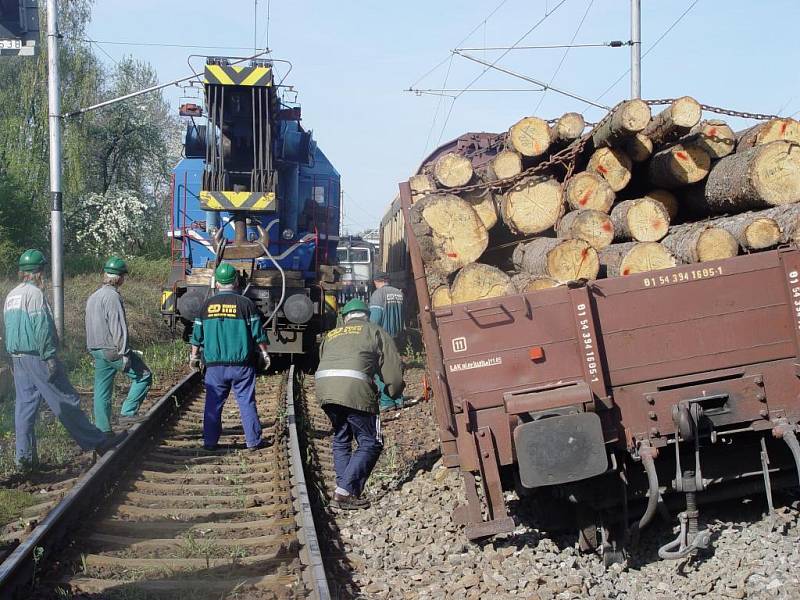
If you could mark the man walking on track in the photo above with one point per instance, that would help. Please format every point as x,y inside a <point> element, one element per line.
<point>32,342</point>
<point>386,310</point>
<point>350,358</point>
<point>229,331</point>
<point>107,342</point>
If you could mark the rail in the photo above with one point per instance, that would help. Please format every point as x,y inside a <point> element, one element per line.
<point>304,516</point>
<point>16,571</point>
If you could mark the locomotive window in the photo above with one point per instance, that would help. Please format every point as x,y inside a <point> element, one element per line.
<point>359,255</point>
<point>341,254</point>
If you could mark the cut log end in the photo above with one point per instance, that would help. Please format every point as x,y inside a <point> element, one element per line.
<point>685,112</point>
<point>715,137</point>
<point>569,127</point>
<point>452,170</point>
<point>506,164</point>
<point>441,297</point>
<point>642,219</point>
<point>589,190</point>
<point>775,173</point>
<point>667,200</point>
<point>562,260</point>
<point>477,281</point>
<point>635,257</point>
<point>483,202</point>
<point>679,165</point>
<point>634,115</point>
<point>529,136</point>
<point>716,244</point>
<point>762,233</point>
<point>613,165</point>
<point>533,206</point>
<point>773,130</point>
<point>592,226</point>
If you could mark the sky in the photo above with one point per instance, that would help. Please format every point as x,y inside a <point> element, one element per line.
<point>352,62</point>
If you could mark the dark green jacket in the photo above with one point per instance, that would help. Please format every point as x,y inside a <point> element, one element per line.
<point>228,330</point>
<point>350,357</point>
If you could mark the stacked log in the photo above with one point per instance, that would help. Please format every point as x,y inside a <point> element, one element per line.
<point>638,193</point>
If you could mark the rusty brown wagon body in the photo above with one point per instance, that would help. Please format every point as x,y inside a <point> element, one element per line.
<point>612,393</point>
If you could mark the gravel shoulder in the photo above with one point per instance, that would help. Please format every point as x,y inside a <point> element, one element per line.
<point>406,546</point>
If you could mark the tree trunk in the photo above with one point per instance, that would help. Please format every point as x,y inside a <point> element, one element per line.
<point>483,201</point>
<point>667,200</point>
<point>640,220</point>
<point>592,226</point>
<point>788,219</point>
<point>567,129</point>
<point>613,165</point>
<point>477,281</point>
<point>635,257</point>
<point>449,231</point>
<point>674,121</point>
<point>628,119</point>
<point>506,164</point>
<point>752,231</point>
<point>588,190</point>
<point>441,297</point>
<point>678,166</point>
<point>713,136</point>
<point>452,170</point>
<point>562,260</point>
<point>699,242</point>
<point>533,205</point>
<point>770,131</point>
<point>421,185</point>
<point>759,177</point>
<point>529,136</point>
<point>523,283</point>
<point>639,147</point>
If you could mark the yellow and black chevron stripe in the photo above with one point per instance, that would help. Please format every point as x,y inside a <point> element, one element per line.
<point>238,75</point>
<point>262,201</point>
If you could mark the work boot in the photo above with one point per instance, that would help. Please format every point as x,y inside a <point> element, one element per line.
<point>259,446</point>
<point>351,502</point>
<point>111,442</point>
<point>129,421</point>
<point>210,448</point>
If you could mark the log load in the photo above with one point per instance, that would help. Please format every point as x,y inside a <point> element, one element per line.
<point>506,163</point>
<point>588,190</point>
<point>639,147</point>
<point>532,206</point>
<point>420,185</point>
<point>523,283</point>
<point>699,242</point>
<point>758,177</point>
<point>713,136</point>
<point>477,281</point>
<point>627,119</point>
<point>788,219</point>
<point>441,297</point>
<point>679,165</point>
<point>667,200</point>
<point>634,257</point>
<point>769,131</point>
<point>674,121</point>
<point>640,220</point>
<point>613,165</point>
<point>590,225</point>
<point>483,201</point>
<point>567,129</point>
<point>452,170</point>
<point>529,136</point>
<point>561,260</point>
<point>752,231</point>
<point>449,231</point>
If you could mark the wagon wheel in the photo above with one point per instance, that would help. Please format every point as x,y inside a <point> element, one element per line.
<point>613,545</point>
<point>588,529</point>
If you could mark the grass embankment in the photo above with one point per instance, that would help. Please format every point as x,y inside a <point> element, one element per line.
<point>163,354</point>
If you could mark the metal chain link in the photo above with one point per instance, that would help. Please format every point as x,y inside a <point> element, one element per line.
<point>568,156</point>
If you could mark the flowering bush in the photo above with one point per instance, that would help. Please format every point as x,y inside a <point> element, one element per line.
<point>114,222</point>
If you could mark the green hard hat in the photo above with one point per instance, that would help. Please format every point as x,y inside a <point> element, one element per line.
<point>115,266</point>
<point>225,274</point>
<point>32,261</point>
<point>356,304</point>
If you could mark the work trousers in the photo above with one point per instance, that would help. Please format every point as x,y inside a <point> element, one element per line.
<point>105,371</point>
<point>386,402</point>
<point>219,380</point>
<point>353,467</point>
<point>32,386</point>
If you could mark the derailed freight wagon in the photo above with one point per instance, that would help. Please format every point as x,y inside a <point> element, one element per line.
<point>608,395</point>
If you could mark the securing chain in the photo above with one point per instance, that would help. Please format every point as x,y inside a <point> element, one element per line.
<point>567,157</point>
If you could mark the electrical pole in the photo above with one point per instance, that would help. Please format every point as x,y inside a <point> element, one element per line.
<point>54,119</point>
<point>636,48</point>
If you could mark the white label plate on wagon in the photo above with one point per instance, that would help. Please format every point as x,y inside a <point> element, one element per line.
<point>10,44</point>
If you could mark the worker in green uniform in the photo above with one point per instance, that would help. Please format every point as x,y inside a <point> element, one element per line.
<point>350,357</point>
<point>386,309</point>
<point>107,342</point>
<point>32,341</point>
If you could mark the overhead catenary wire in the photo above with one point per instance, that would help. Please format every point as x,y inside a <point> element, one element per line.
<point>651,48</point>
<point>611,44</point>
<point>157,44</point>
<point>564,56</point>
<point>498,59</point>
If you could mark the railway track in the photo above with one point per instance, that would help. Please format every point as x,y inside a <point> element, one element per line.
<point>162,518</point>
